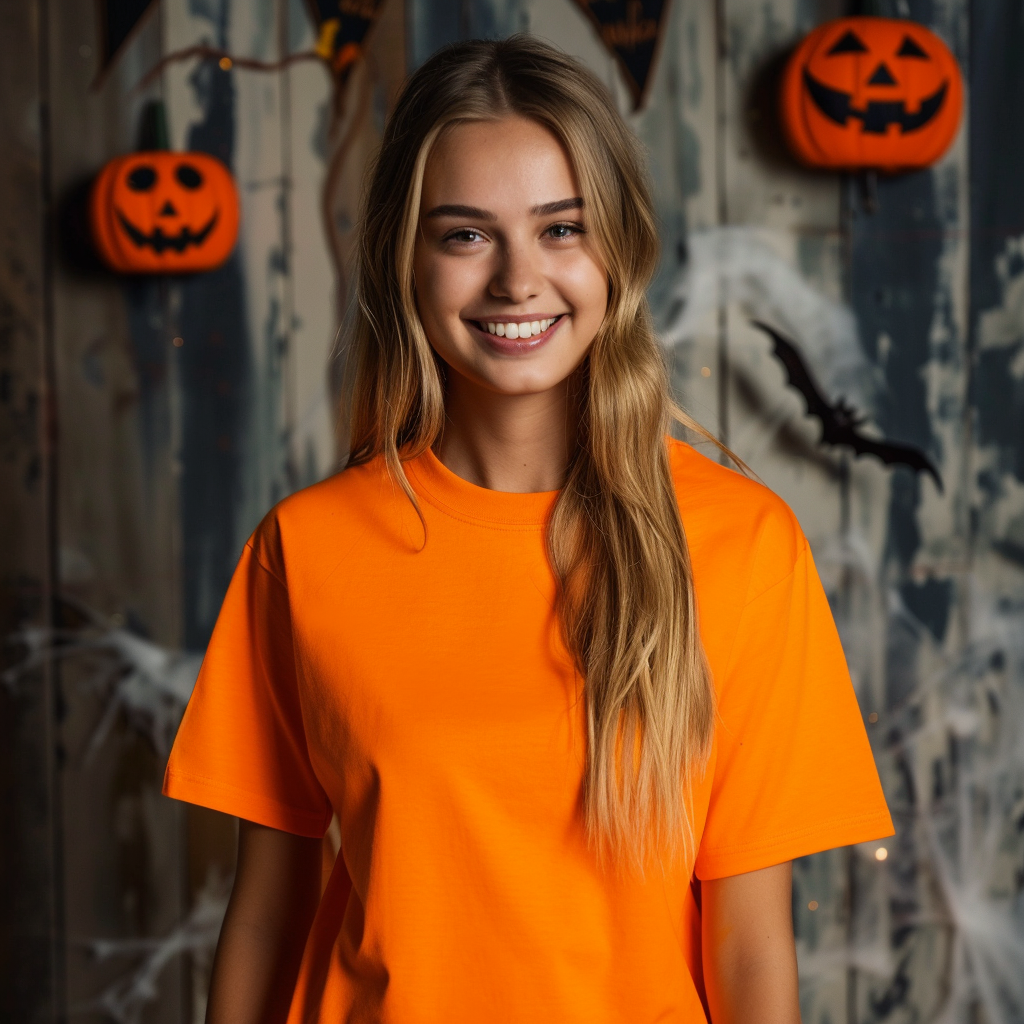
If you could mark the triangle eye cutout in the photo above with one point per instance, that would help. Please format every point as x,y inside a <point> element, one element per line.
<point>881,76</point>
<point>908,48</point>
<point>850,43</point>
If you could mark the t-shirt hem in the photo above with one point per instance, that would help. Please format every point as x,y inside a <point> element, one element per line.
<point>194,789</point>
<point>723,862</point>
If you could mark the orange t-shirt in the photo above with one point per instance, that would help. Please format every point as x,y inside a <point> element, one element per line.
<point>423,693</point>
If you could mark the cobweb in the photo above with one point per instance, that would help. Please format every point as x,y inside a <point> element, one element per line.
<point>126,998</point>
<point>737,266</point>
<point>149,684</point>
<point>935,931</point>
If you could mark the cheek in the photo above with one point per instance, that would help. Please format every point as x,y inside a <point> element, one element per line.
<point>429,293</point>
<point>442,286</point>
<point>584,284</point>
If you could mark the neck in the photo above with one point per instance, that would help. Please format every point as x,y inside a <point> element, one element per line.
<point>517,443</point>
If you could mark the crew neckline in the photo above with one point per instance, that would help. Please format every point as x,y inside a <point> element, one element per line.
<point>435,482</point>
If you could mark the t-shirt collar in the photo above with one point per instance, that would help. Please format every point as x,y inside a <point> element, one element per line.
<point>436,483</point>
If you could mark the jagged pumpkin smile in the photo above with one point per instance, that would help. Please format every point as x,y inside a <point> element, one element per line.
<point>160,243</point>
<point>876,115</point>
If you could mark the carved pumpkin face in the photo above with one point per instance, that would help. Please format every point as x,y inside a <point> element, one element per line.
<point>871,92</point>
<point>164,213</point>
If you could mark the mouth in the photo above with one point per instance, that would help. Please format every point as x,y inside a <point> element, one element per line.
<point>517,335</point>
<point>877,115</point>
<point>158,241</point>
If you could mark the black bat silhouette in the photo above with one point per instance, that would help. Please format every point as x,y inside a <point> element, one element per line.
<point>839,421</point>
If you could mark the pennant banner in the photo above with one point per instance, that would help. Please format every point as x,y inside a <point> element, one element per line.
<point>631,30</point>
<point>342,26</point>
<point>118,20</point>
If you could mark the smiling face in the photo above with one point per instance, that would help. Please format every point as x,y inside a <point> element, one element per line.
<point>871,92</point>
<point>509,287</point>
<point>164,212</point>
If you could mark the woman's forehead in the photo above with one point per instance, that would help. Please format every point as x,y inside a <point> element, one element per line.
<point>511,165</point>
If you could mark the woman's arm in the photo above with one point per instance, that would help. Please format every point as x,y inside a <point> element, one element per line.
<point>748,952</point>
<point>275,895</point>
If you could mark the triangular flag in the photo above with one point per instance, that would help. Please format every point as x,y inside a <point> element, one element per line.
<point>631,29</point>
<point>118,20</point>
<point>342,27</point>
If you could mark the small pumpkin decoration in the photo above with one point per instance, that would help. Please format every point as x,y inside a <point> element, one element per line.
<point>871,93</point>
<point>164,213</point>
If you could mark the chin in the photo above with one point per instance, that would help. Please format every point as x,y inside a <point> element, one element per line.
<point>525,383</point>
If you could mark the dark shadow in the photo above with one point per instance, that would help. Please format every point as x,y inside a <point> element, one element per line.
<point>763,118</point>
<point>75,251</point>
<point>761,110</point>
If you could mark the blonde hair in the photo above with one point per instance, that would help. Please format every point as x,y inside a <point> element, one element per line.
<point>615,538</point>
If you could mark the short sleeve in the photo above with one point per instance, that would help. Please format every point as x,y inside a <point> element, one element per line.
<point>793,771</point>
<point>241,747</point>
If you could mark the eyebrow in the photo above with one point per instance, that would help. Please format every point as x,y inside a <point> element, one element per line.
<point>559,206</point>
<point>475,213</point>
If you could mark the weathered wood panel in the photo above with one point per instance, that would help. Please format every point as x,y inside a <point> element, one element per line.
<point>257,406</point>
<point>31,920</point>
<point>119,531</point>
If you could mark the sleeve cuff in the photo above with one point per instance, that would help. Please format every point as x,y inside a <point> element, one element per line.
<point>262,810</point>
<point>738,860</point>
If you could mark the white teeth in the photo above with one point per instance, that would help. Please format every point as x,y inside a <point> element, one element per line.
<point>516,330</point>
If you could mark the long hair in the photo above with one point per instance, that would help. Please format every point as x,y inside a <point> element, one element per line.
<point>614,537</point>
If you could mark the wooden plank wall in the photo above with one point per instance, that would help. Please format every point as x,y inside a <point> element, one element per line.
<point>910,301</point>
<point>118,532</point>
<point>169,453</point>
<point>30,911</point>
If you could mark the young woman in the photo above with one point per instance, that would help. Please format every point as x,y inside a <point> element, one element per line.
<point>572,690</point>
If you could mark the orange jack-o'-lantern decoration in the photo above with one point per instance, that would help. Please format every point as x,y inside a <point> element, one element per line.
<point>164,213</point>
<point>871,93</point>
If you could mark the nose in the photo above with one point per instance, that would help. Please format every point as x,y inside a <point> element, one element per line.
<point>517,277</point>
<point>881,76</point>
<point>168,210</point>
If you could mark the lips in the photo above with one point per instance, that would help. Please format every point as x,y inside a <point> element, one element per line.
<point>876,117</point>
<point>505,344</point>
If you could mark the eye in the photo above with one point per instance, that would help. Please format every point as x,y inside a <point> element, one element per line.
<point>564,230</point>
<point>466,235</point>
<point>850,43</point>
<point>908,48</point>
<point>188,177</point>
<point>141,179</point>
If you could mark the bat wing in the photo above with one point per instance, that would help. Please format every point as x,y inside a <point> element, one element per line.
<point>800,377</point>
<point>839,423</point>
<point>893,454</point>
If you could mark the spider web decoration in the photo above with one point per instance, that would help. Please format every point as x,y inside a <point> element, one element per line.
<point>631,30</point>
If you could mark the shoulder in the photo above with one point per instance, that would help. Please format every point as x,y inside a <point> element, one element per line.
<point>312,528</point>
<point>732,519</point>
